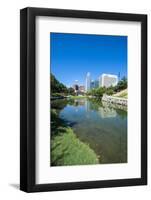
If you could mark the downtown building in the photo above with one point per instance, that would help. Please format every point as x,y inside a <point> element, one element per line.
<point>88,82</point>
<point>78,89</point>
<point>94,84</point>
<point>107,80</point>
<point>82,88</point>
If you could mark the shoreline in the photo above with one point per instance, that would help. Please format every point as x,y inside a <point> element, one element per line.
<point>112,101</point>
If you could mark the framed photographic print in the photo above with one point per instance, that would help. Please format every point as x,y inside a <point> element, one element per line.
<point>83,99</point>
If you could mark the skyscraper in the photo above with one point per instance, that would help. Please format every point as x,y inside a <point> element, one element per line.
<point>92,85</point>
<point>88,82</point>
<point>107,80</point>
<point>96,83</point>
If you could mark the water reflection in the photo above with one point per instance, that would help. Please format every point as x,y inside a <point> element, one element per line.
<point>102,126</point>
<point>103,109</point>
<point>87,106</point>
<point>107,112</point>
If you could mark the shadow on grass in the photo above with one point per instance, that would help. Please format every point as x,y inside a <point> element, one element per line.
<point>66,148</point>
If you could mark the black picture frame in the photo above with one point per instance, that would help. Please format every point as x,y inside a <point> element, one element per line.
<point>28,98</point>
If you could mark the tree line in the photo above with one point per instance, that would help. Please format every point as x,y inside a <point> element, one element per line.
<point>59,89</point>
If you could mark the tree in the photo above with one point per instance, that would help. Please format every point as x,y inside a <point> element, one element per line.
<point>98,92</point>
<point>56,86</point>
<point>122,84</point>
<point>71,91</point>
<point>109,91</point>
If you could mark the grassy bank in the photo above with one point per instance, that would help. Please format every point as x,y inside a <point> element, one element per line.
<point>77,97</point>
<point>122,94</point>
<point>67,149</point>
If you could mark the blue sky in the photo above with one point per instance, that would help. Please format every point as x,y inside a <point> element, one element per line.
<point>73,55</point>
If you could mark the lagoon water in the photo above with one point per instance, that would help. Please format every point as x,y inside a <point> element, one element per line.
<point>98,124</point>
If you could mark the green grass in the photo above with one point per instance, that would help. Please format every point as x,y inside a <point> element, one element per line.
<point>123,95</point>
<point>77,97</point>
<point>67,149</point>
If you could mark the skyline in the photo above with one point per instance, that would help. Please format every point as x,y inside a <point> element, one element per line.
<point>72,56</point>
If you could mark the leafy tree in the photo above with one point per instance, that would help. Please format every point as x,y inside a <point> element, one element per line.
<point>122,84</point>
<point>109,91</point>
<point>98,92</point>
<point>56,86</point>
<point>71,91</point>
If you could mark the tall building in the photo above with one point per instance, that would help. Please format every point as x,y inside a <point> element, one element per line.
<point>76,87</point>
<point>96,83</point>
<point>88,82</point>
<point>92,85</point>
<point>107,80</point>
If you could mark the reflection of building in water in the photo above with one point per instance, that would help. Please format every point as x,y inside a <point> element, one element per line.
<point>108,80</point>
<point>87,106</point>
<point>79,102</point>
<point>107,112</point>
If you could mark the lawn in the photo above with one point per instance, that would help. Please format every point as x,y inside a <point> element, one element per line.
<point>77,97</point>
<point>122,94</point>
<point>67,149</point>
